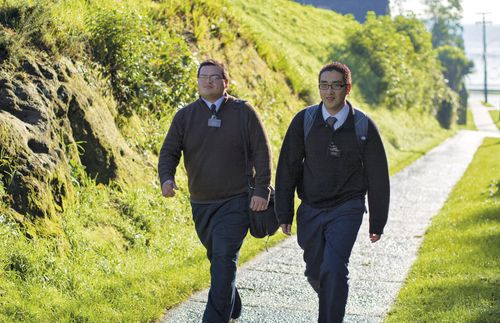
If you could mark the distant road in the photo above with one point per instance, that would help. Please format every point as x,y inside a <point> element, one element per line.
<point>481,90</point>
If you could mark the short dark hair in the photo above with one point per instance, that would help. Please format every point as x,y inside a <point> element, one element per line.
<point>339,67</point>
<point>213,62</point>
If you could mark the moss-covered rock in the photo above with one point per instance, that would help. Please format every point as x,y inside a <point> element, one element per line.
<point>55,116</point>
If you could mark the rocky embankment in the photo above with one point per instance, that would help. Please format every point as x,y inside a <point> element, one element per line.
<point>55,117</point>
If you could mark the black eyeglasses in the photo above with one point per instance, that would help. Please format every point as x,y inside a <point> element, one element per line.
<point>334,86</point>
<point>213,77</point>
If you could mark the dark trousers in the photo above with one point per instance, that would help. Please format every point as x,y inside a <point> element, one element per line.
<point>327,237</point>
<point>221,227</point>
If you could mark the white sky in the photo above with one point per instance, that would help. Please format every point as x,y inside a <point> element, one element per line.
<point>470,10</point>
<point>472,7</point>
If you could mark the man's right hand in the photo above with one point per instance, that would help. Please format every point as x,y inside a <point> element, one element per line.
<point>286,228</point>
<point>167,189</point>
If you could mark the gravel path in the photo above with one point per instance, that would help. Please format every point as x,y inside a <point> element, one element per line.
<point>273,287</point>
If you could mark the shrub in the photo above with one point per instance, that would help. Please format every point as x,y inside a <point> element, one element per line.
<point>394,62</point>
<point>455,67</point>
<point>447,109</point>
<point>150,70</point>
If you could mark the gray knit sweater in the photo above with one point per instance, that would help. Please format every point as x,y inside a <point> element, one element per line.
<point>214,157</point>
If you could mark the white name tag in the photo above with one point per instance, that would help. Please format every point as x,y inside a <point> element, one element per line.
<point>214,123</point>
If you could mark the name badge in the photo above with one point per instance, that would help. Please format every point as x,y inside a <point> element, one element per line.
<point>214,122</point>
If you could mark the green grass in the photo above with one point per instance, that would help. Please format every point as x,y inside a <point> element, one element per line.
<point>407,135</point>
<point>486,104</point>
<point>456,277</point>
<point>470,124</point>
<point>124,253</point>
<point>292,38</point>
<point>495,116</point>
<point>123,256</point>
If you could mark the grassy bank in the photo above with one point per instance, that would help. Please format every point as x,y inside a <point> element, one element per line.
<point>456,277</point>
<point>123,252</point>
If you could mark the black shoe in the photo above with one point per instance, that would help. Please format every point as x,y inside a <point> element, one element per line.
<point>237,306</point>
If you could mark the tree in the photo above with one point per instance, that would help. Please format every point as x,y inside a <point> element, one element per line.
<point>447,38</point>
<point>445,19</point>
<point>455,66</point>
<point>403,70</point>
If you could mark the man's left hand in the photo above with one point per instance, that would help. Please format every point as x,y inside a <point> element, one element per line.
<point>258,203</point>
<point>374,237</point>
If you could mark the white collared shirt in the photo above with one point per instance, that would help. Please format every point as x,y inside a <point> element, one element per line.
<point>341,116</point>
<point>217,103</point>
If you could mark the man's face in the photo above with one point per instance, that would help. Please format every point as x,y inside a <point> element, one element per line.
<point>333,90</point>
<point>211,85</point>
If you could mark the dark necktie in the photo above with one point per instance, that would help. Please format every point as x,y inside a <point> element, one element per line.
<point>213,108</point>
<point>331,121</point>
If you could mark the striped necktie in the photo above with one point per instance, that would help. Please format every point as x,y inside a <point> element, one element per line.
<point>213,108</point>
<point>331,121</point>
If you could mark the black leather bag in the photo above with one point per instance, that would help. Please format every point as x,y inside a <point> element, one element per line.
<point>264,223</point>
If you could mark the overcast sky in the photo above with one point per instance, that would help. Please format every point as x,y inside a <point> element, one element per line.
<point>470,10</point>
<point>472,7</point>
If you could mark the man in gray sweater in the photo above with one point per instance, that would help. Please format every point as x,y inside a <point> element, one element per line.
<point>208,133</point>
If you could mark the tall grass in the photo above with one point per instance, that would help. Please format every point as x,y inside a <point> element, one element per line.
<point>292,38</point>
<point>123,256</point>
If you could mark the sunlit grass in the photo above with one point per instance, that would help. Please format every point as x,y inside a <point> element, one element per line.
<point>456,277</point>
<point>288,39</point>
<point>495,116</point>
<point>470,124</point>
<point>486,104</point>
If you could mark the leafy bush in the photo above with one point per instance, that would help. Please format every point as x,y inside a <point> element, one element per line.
<point>447,109</point>
<point>455,67</point>
<point>150,69</point>
<point>393,62</point>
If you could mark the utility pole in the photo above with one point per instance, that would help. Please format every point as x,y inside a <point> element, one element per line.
<point>484,22</point>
